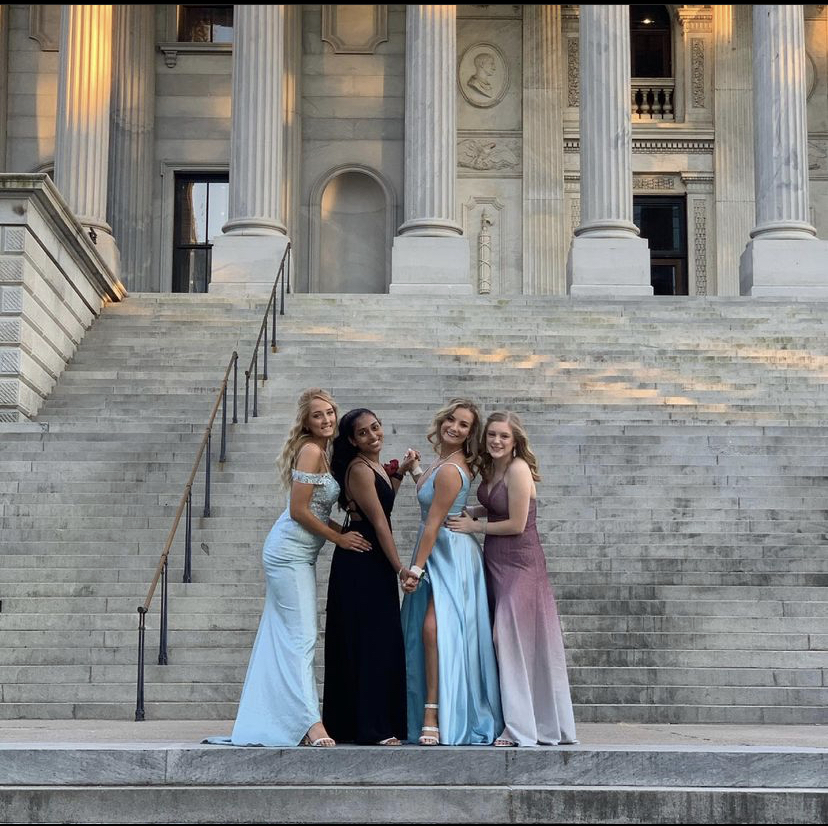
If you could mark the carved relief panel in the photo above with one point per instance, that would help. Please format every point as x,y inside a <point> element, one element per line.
<point>353,29</point>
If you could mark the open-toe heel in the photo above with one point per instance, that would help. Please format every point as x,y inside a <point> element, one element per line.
<point>433,736</point>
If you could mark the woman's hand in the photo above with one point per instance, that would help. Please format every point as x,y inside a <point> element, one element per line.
<point>403,575</point>
<point>463,524</point>
<point>411,459</point>
<point>353,541</point>
<point>411,583</point>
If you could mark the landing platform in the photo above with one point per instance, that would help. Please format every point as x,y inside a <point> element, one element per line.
<point>158,772</point>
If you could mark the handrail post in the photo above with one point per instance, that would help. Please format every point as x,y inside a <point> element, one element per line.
<point>188,539</point>
<point>286,269</point>
<point>223,452</point>
<point>273,304</point>
<point>256,384</point>
<point>139,700</point>
<point>290,251</point>
<point>264,345</point>
<point>235,385</point>
<point>246,392</point>
<point>162,644</point>
<point>207,474</point>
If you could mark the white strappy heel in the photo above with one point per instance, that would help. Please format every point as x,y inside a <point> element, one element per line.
<point>430,739</point>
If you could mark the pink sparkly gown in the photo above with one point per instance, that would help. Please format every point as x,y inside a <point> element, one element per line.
<point>534,686</point>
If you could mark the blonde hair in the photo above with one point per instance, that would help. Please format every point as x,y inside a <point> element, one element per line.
<point>300,433</point>
<point>522,449</point>
<point>471,447</point>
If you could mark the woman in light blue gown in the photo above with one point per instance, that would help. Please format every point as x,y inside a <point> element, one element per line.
<point>452,679</point>
<point>279,704</point>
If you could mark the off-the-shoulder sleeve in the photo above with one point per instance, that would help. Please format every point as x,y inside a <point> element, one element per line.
<point>308,478</point>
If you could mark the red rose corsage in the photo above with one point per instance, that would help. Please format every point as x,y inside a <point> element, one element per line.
<point>391,467</point>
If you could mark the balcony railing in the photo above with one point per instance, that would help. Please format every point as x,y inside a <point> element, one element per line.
<point>652,98</point>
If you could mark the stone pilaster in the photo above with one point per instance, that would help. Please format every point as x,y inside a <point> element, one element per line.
<point>245,259</point>
<point>82,128</point>
<point>607,256</point>
<point>4,82</point>
<point>131,142</point>
<point>783,258</point>
<point>545,240</point>
<point>430,253</point>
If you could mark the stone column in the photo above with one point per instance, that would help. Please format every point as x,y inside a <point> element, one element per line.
<point>246,257</point>
<point>733,144</point>
<point>131,142</point>
<point>607,256</point>
<point>430,254</point>
<point>82,127</point>
<point>784,258</point>
<point>291,185</point>
<point>4,82</point>
<point>545,240</point>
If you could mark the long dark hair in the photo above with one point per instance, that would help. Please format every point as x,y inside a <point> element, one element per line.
<point>344,452</point>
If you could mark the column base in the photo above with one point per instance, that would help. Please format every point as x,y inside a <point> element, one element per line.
<point>245,265</point>
<point>784,268</point>
<point>428,265</point>
<point>608,267</point>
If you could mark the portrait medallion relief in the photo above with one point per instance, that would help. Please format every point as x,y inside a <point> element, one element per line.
<point>483,75</point>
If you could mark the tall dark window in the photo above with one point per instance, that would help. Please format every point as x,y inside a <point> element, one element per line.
<point>651,50</point>
<point>205,24</point>
<point>200,212</point>
<point>663,223</point>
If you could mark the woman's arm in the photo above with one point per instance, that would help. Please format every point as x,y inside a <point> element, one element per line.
<point>362,489</point>
<point>309,460</point>
<point>446,487</point>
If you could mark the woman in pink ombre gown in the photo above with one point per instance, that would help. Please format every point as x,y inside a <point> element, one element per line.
<point>534,687</point>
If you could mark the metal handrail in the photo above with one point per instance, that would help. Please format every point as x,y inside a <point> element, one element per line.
<point>185,502</point>
<point>282,276</point>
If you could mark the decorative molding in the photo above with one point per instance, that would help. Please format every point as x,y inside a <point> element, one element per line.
<point>171,51</point>
<point>657,146</point>
<point>44,26</point>
<point>695,18</point>
<point>489,154</point>
<point>572,72</point>
<point>575,213</point>
<point>483,75</point>
<point>697,71</point>
<point>698,182</point>
<point>700,244</point>
<point>486,11</point>
<point>818,158</point>
<point>345,35</point>
<point>654,182</point>
<point>810,76</point>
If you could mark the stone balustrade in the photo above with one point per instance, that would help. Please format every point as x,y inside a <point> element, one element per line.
<point>652,98</point>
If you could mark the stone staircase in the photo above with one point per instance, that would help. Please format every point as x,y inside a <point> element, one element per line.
<point>684,453</point>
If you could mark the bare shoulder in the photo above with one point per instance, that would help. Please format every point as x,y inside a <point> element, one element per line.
<point>360,471</point>
<point>449,479</point>
<point>518,470</point>
<point>310,458</point>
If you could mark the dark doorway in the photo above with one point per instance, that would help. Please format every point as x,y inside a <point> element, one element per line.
<point>200,213</point>
<point>663,223</point>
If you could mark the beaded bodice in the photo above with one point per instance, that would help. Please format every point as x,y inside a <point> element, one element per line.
<point>325,492</point>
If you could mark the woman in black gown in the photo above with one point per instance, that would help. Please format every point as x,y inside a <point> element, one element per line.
<point>365,688</point>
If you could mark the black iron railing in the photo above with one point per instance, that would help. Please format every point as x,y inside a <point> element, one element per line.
<point>282,279</point>
<point>185,504</point>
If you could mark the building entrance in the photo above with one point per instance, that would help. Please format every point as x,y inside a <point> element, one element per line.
<point>663,223</point>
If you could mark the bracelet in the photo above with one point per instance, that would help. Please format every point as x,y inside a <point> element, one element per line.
<point>417,571</point>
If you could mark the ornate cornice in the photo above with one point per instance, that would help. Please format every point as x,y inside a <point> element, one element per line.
<point>658,146</point>
<point>695,18</point>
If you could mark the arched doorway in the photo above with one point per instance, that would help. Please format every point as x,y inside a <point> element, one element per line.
<point>352,239</point>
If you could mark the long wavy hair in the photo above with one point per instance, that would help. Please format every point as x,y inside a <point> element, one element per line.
<point>521,449</point>
<point>471,447</point>
<point>344,452</point>
<point>300,432</point>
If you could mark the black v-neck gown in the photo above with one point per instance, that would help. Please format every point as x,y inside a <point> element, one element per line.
<point>365,689</point>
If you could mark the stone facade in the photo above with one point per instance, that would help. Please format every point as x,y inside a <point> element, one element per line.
<point>506,162</point>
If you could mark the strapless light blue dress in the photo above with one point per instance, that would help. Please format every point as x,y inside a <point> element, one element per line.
<point>279,701</point>
<point>469,693</point>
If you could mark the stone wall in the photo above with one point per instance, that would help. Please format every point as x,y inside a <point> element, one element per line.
<point>53,284</point>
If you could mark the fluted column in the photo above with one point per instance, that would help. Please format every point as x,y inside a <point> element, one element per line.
<point>291,184</point>
<point>607,256</point>
<point>429,252</point>
<point>246,257</point>
<point>733,146</point>
<point>131,142</point>
<point>783,257</point>
<point>544,238</point>
<point>82,128</point>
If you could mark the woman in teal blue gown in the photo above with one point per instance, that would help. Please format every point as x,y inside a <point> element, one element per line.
<point>279,704</point>
<point>452,680</point>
